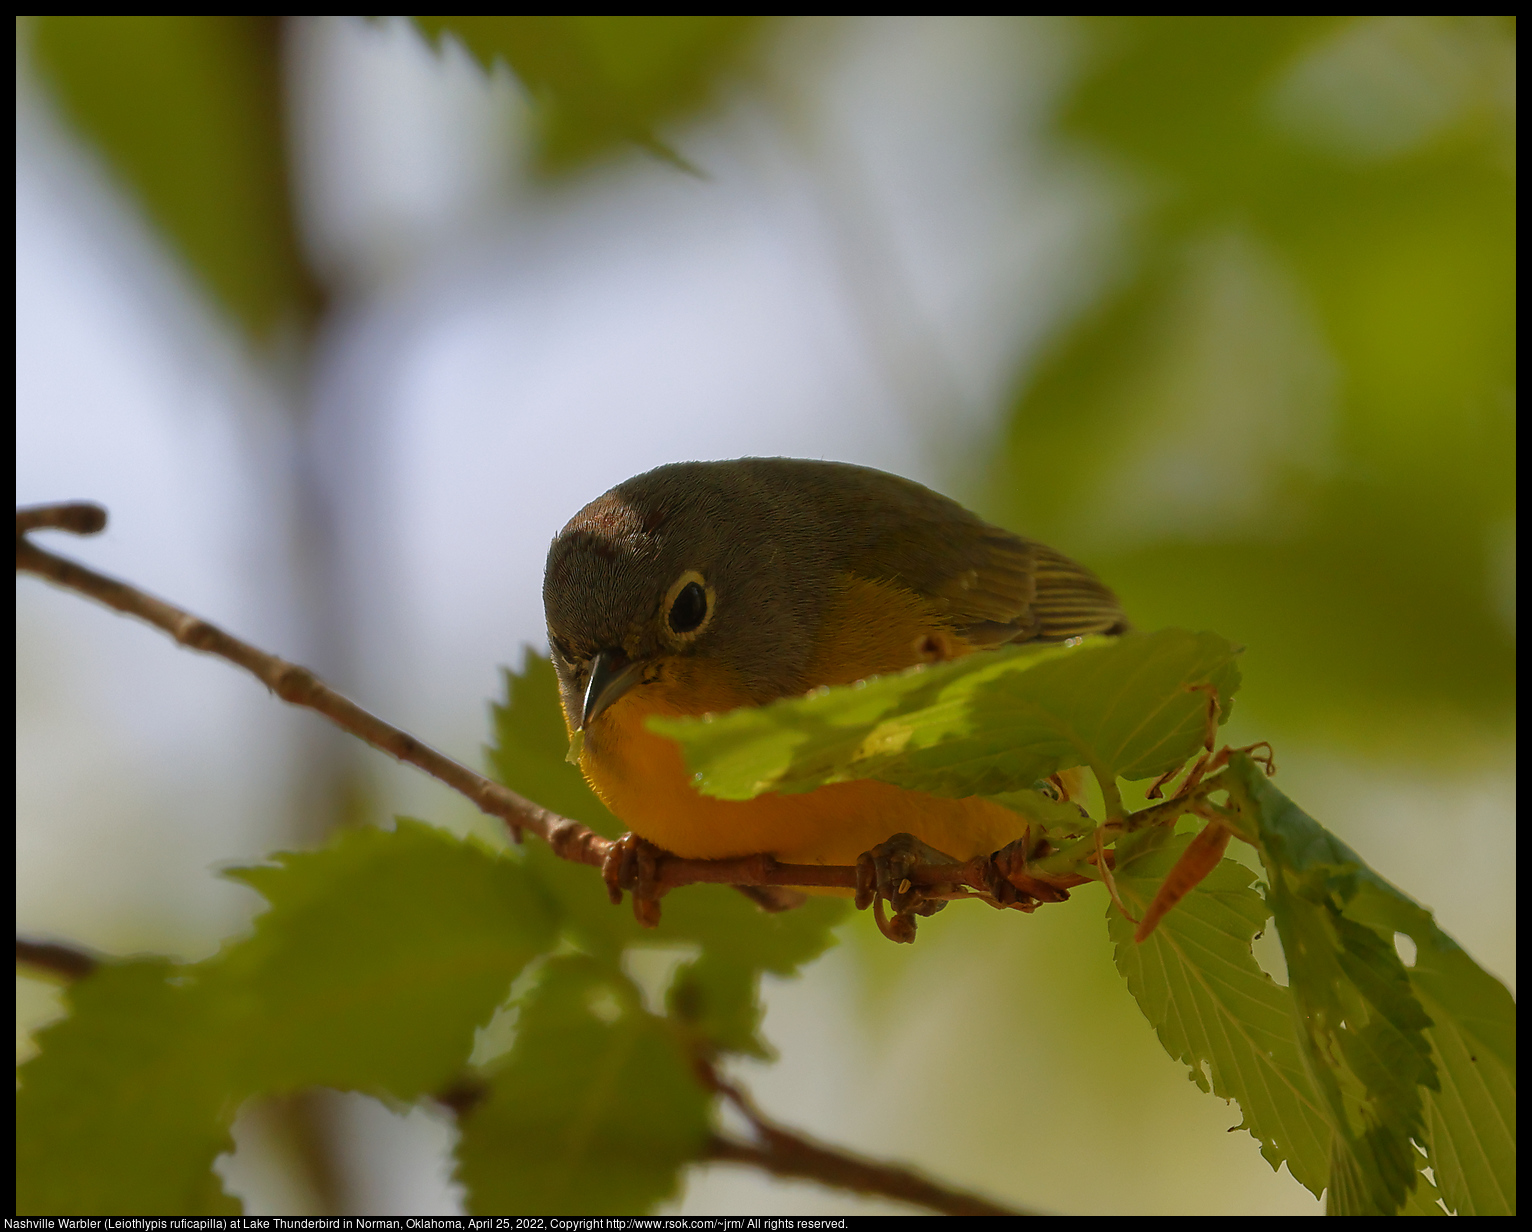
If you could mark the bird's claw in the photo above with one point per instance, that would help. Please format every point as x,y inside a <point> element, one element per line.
<point>883,875</point>
<point>1009,882</point>
<point>633,864</point>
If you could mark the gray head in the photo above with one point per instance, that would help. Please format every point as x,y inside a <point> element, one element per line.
<point>694,561</point>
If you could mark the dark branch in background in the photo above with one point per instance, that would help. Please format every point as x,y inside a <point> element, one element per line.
<point>784,1153</point>
<point>61,960</point>
<point>779,1151</point>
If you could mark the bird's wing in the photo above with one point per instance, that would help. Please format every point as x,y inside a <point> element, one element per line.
<point>987,584</point>
<point>994,587</point>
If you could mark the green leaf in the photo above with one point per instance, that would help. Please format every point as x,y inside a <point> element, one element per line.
<point>189,111</point>
<point>127,1103</point>
<point>986,724</point>
<point>379,957</point>
<point>528,754</point>
<point>1055,818</point>
<point>594,1111</point>
<point>1364,1028</point>
<point>716,995</point>
<point>599,81</point>
<point>1425,1198</point>
<point>1471,1119</point>
<point>1215,1010</point>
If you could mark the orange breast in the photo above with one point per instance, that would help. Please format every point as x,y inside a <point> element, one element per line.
<point>870,628</point>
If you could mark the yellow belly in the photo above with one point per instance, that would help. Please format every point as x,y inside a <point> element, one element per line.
<point>642,777</point>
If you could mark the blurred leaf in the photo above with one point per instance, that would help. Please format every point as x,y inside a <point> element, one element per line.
<point>601,81</point>
<point>1288,412</point>
<point>379,957</point>
<point>127,1104</point>
<point>717,994</point>
<point>189,111</point>
<point>594,1111</point>
<point>1212,1006</point>
<point>982,725</point>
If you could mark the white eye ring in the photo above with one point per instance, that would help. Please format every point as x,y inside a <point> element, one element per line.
<point>690,578</point>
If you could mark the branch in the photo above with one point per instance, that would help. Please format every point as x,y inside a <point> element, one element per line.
<point>1047,882</point>
<point>789,1155</point>
<point>784,1153</point>
<point>293,684</point>
<point>61,960</point>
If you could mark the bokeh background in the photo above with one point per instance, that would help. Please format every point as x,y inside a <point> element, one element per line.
<point>342,327</point>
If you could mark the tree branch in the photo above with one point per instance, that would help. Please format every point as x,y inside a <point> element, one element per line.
<point>569,839</point>
<point>61,960</point>
<point>788,1155</point>
<point>293,684</point>
<point>784,1153</point>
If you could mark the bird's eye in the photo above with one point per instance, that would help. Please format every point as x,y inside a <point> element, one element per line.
<point>688,609</point>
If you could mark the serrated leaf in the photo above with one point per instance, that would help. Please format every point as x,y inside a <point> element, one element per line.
<point>189,111</point>
<point>379,957</point>
<point>1363,1027</point>
<point>1425,1198</point>
<point>1212,1006</point>
<point>127,1103</point>
<point>528,754</point>
<point>594,1111</point>
<point>1471,1119</point>
<point>601,80</point>
<point>989,723</point>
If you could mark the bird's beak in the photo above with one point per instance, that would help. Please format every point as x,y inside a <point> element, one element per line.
<point>612,674</point>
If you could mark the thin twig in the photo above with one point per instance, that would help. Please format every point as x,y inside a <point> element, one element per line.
<point>292,683</point>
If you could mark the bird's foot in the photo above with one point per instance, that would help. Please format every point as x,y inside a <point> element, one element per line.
<point>1010,883</point>
<point>633,864</point>
<point>883,874</point>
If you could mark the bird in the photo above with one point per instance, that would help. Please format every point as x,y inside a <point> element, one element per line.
<point>699,587</point>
